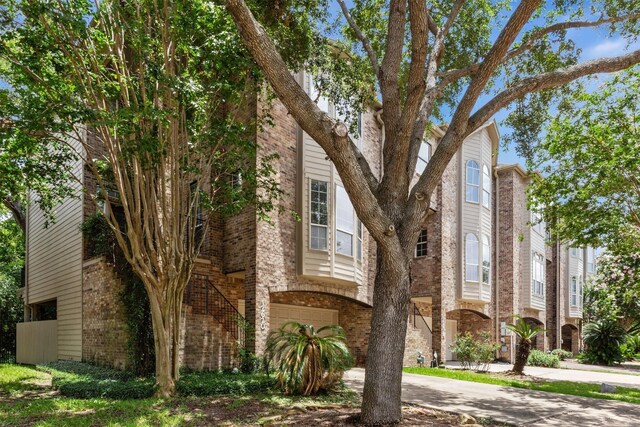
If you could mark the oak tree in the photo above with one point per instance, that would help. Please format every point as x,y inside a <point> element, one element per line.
<point>458,60</point>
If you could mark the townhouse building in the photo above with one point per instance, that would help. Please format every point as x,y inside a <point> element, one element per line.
<point>481,258</point>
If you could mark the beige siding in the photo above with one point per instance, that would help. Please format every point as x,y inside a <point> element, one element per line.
<point>54,268</point>
<point>318,263</point>
<point>475,218</point>
<point>37,342</point>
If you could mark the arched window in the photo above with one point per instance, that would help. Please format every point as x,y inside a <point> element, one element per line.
<point>471,257</point>
<point>473,181</point>
<point>486,260</point>
<point>486,187</point>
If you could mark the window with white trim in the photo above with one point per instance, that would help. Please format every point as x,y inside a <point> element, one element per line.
<point>473,182</point>
<point>591,260</point>
<point>573,291</point>
<point>314,94</point>
<point>486,187</point>
<point>359,241</point>
<point>486,259</point>
<point>537,280</point>
<point>421,247</point>
<point>318,214</point>
<point>537,223</point>
<point>471,258</point>
<point>424,154</point>
<point>344,223</point>
<point>580,286</point>
<point>236,180</point>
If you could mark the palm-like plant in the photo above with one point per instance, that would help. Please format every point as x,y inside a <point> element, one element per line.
<point>307,360</point>
<point>602,339</point>
<point>525,332</point>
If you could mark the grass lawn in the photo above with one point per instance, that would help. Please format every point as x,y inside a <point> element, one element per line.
<point>630,395</point>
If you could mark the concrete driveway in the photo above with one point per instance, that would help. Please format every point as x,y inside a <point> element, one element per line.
<point>510,405</point>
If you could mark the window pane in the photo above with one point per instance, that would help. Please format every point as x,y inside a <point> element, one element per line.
<point>318,208</point>
<point>344,211</point>
<point>473,181</point>
<point>486,187</point>
<point>421,247</point>
<point>318,237</point>
<point>471,255</point>
<point>472,194</point>
<point>344,243</point>
<point>486,259</point>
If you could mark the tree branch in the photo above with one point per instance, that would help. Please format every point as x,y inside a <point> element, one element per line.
<point>360,184</point>
<point>373,58</point>
<point>17,211</point>
<point>550,80</point>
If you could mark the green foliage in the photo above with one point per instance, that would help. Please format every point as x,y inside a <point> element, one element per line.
<point>541,358</point>
<point>85,381</point>
<point>306,360</point>
<point>475,353</point>
<point>614,291</point>
<point>524,330</point>
<point>562,354</point>
<point>602,340</point>
<point>590,160</point>
<point>11,267</point>
<point>630,349</point>
<point>102,242</point>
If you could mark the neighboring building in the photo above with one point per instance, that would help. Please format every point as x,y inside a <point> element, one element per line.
<point>478,261</point>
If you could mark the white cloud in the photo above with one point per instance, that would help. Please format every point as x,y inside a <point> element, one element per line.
<point>609,47</point>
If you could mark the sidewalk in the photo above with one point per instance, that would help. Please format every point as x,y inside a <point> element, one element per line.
<point>577,375</point>
<point>510,405</point>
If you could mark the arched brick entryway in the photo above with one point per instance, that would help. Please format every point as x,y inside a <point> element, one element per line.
<point>570,338</point>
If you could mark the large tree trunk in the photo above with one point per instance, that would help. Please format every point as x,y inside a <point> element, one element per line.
<point>522,354</point>
<point>163,326</point>
<point>381,403</point>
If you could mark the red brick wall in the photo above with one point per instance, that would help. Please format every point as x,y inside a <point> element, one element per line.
<point>104,331</point>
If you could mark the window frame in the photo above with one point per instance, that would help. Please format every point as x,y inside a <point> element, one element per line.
<point>318,225</point>
<point>486,186</point>
<point>421,245</point>
<point>467,258</point>
<point>471,185</point>
<point>573,291</point>
<point>486,258</point>
<point>537,272</point>
<point>340,189</point>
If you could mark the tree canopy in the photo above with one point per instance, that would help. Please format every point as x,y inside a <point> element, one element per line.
<point>461,61</point>
<point>590,162</point>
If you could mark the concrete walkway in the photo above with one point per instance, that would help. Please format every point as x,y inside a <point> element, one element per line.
<point>577,375</point>
<point>510,405</point>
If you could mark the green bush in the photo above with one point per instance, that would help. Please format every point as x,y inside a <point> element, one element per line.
<point>85,381</point>
<point>631,347</point>
<point>540,358</point>
<point>562,354</point>
<point>603,339</point>
<point>476,353</point>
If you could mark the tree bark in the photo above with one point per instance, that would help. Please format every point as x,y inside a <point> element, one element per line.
<point>162,321</point>
<point>524,348</point>
<point>381,403</point>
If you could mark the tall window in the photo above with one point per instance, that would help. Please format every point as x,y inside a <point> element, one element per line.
<point>423,157</point>
<point>538,274</point>
<point>198,218</point>
<point>580,286</point>
<point>486,187</point>
<point>574,291</point>
<point>359,242</point>
<point>344,223</point>
<point>471,257</point>
<point>421,247</point>
<point>486,259</point>
<point>591,261</point>
<point>236,180</point>
<point>314,94</point>
<point>473,181</point>
<point>537,223</point>
<point>318,217</point>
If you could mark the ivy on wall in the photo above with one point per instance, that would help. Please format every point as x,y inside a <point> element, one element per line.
<point>140,344</point>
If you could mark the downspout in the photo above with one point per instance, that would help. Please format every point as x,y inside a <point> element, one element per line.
<point>497,263</point>
<point>558,300</point>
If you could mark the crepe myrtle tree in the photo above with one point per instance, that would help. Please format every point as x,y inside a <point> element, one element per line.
<point>459,60</point>
<point>165,90</point>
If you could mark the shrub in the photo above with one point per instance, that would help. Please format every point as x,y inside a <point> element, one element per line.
<point>84,381</point>
<point>631,347</point>
<point>477,353</point>
<point>602,340</point>
<point>249,362</point>
<point>540,358</point>
<point>562,354</point>
<point>307,360</point>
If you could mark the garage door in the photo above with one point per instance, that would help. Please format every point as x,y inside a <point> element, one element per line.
<point>318,317</point>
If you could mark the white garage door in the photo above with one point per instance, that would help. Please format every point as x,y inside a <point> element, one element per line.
<point>318,317</point>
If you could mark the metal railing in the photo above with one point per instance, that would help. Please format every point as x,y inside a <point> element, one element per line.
<point>419,322</point>
<point>205,298</point>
